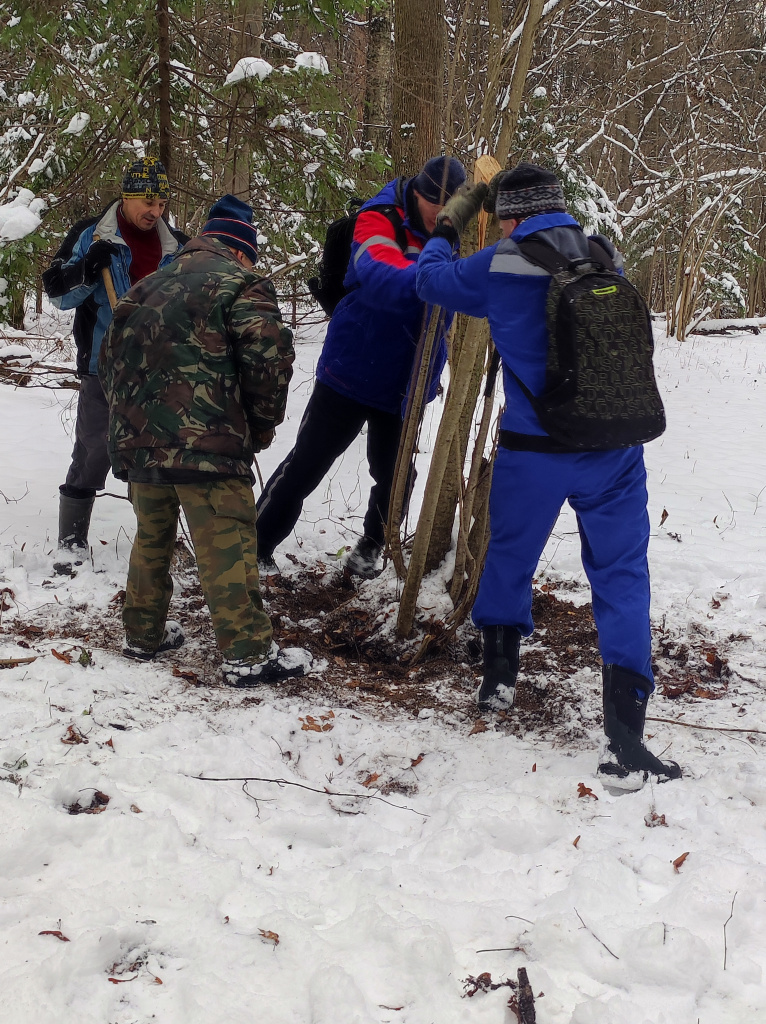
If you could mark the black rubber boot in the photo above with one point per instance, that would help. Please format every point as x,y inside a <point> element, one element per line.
<point>501,667</point>
<point>625,702</point>
<point>74,522</point>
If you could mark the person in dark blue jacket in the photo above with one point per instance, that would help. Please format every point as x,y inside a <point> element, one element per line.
<point>130,240</point>
<point>366,362</point>
<point>534,475</point>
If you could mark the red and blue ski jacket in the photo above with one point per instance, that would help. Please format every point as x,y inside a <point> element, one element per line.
<point>373,333</point>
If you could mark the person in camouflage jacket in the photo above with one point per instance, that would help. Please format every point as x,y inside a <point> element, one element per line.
<point>195,367</point>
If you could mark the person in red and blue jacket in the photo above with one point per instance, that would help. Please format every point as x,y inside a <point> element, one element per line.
<point>366,362</point>
<point>534,474</point>
<point>130,240</point>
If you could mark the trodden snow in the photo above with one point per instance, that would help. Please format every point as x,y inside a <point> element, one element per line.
<point>195,902</point>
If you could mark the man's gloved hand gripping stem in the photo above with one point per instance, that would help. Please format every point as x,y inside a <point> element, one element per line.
<point>459,212</point>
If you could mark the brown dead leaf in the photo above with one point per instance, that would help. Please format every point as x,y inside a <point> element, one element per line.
<point>371,778</point>
<point>310,724</point>
<point>97,804</point>
<point>185,673</point>
<point>157,981</point>
<point>135,809</point>
<point>575,841</point>
<point>269,936</point>
<point>478,726</point>
<point>73,736</point>
<point>122,981</point>
<point>653,820</point>
<point>108,743</point>
<point>678,862</point>
<point>62,656</point>
<point>534,767</point>
<point>414,763</point>
<point>584,791</point>
<point>55,933</point>
<point>664,516</point>
<point>339,758</point>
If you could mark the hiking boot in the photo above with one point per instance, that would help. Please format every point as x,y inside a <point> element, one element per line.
<point>279,663</point>
<point>172,638</point>
<point>501,667</point>
<point>625,763</point>
<point>363,559</point>
<point>267,566</point>
<point>74,522</point>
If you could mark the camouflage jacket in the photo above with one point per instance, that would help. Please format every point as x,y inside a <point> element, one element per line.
<point>195,366</point>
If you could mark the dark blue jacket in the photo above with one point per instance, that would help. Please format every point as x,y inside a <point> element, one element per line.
<point>500,284</point>
<point>372,335</point>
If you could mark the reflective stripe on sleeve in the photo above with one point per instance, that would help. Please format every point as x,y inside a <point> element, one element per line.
<point>375,240</point>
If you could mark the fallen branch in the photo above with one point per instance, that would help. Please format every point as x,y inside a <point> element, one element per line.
<point>39,375</point>
<point>731,915</point>
<point>708,728</point>
<point>13,662</point>
<point>301,785</point>
<point>524,999</point>
<point>587,929</point>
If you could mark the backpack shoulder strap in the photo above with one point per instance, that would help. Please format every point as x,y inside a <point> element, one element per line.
<point>601,253</point>
<point>542,254</point>
<point>391,213</point>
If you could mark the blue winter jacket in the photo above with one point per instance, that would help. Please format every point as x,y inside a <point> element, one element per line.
<point>500,284</point>
<point>94,313</point>
<point>372,335</point>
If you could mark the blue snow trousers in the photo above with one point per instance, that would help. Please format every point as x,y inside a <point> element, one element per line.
<point>607,490</point>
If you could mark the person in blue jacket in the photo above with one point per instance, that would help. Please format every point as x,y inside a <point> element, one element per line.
<point>130,240</point>
<point>366,361</point>
<point>534,474</point>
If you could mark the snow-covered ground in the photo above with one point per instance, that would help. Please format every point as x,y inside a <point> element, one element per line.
<point>202,902</point>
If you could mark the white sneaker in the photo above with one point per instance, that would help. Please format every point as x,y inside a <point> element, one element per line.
<point>363,560</point>
<point>279,663</point>
<point>172,639</point>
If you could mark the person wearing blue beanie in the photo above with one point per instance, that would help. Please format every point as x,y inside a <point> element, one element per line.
<point>367,360</point>
<point>231,222</point>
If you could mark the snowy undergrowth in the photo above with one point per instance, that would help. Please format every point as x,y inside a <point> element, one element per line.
<point>224,901</point>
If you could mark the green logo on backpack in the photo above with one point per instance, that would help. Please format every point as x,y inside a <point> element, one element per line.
<point>611,290</point>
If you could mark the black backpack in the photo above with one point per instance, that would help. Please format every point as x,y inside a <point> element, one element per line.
<point>600,390</point>
<point>328,287</point>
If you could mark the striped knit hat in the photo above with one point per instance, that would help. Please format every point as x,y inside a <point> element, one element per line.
<point>231,222</point>
<point>527,190</point>
<point>146,179</point>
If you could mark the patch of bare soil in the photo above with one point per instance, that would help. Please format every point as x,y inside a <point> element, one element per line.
<point>322,609</point>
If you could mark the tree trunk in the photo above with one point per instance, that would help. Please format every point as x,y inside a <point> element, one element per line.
<point>245,42</point>
<point>377,93</point>
<point>520,71</point>
<point>418,87</point>
<point>163,54</point>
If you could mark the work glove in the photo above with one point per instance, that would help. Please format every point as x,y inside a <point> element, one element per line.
<point>263,439</point>
<point>460,210</point>
<point>490,200</point>
<point>97,258</point>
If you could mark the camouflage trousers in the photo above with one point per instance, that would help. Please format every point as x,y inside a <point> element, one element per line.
<point>221,518</point>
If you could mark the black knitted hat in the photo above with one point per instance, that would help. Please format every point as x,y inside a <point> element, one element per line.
<point>526,190</point>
